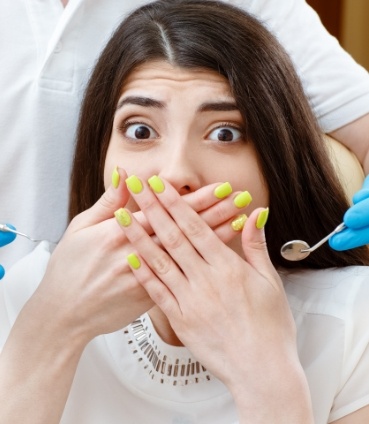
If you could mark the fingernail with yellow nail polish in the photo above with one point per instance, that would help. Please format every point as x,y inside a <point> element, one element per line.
<point>238,223</point>
<point>123,217</point>
<point>133,261</point>
<point>115,177</point>
<point>134,184</point>
<point>223,191</point>
<point>156,184</point>
<point>262,218</point>
<point>242,200</point>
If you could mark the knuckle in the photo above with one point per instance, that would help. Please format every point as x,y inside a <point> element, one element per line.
<point>138,236</point>
<point>107,202</point>
<point>173,239</point>
<point>161,264</point>
<point>148,203</point>
<point>194,228</point>
<point>75,223</point>
<point>117,269</point>
<point>159,296</point>
<point>220,213</point>
<point>260,245</point>
<point>234,273</point>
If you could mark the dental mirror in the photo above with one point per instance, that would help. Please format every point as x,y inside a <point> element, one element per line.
<point>296,250</point>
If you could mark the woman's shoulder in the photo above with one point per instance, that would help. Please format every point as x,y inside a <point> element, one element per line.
<point>331,312</point>
<point>334,291</point>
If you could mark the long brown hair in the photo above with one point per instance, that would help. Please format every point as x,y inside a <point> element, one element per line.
<point>306,199</point>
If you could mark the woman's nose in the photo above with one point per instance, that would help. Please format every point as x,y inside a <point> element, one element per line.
<point>182,171</point>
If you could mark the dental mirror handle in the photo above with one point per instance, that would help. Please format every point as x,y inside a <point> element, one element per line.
<point>7,229</point>
<point>341,227</point>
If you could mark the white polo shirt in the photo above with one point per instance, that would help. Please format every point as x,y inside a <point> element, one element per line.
<point>47,53</point>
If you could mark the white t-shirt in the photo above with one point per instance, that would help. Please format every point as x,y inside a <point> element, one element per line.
<point>47,53</point>
<point>131,376</point>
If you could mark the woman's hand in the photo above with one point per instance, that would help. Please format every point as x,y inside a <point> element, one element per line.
<point>232,313</point>
<point>88,289</point>
<point>88,280</point>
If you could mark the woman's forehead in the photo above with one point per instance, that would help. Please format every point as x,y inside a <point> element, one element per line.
<point>161,75</point>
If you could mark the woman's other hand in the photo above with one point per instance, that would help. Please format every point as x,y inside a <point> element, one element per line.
<point>88,283</point>
<point>232,313</point>
<point>88,289</point>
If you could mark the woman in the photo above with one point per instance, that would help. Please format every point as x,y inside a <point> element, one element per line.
<point>188,94</point>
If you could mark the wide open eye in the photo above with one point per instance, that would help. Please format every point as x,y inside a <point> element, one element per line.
<point>138,131</point>
<point>225,134</point>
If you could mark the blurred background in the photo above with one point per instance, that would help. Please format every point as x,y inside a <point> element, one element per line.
<point>347,20</point>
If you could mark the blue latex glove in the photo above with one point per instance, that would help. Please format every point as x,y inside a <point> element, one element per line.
<point>357,222</point>
<point>6,238</point>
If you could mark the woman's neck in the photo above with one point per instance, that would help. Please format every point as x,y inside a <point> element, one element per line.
<point>163,328</point>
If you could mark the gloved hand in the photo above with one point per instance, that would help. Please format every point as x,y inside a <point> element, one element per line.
<point>6,238</point>
<point>357,222</point>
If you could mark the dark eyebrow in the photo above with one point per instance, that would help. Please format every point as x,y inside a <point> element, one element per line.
<point>218,107</point>
<point>140,101</point>
<point>148,102</point>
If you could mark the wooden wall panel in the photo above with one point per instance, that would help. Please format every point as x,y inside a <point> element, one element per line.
<point>348,21</point>
<point>330,12</point>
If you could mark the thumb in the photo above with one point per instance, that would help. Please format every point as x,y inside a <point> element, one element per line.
<point>253,239</point>
<point>115,197</point>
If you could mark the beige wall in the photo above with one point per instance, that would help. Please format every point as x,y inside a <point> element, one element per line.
<point>355,30</point>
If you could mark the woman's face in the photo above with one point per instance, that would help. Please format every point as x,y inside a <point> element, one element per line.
<point>182,125</point>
